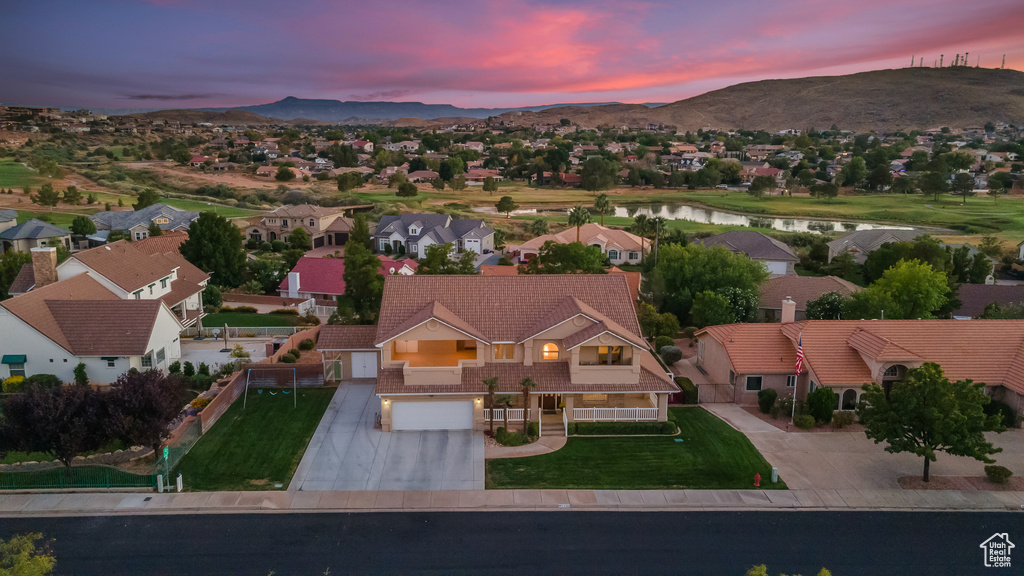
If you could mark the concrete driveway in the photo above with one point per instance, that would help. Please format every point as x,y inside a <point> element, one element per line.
<point>348,453</point>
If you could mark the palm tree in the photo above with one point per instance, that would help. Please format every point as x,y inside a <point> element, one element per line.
<point>578,216</point>
<point>602,205</point>
<point>641,227</point>
<point>539,227</point>
<point>492,387</point>
<point>657,225</point>
<point>506,404</point>
<point>526,384</point>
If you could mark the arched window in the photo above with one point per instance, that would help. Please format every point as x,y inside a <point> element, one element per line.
<point>849,399</point>
<point>550,351</point>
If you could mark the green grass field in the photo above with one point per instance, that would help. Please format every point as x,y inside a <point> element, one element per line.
<point>62,219</point>
<point>258,447</point>
<point>184,204</point>
<point>244,320</point>
<point>712,455</point>
<point>16,175</point>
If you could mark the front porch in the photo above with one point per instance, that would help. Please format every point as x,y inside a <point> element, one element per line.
<point>598,407</point>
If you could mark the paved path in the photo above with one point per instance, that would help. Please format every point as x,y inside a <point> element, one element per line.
<point>849,460</point>
<point>348,453</point>
<point>543,445</point>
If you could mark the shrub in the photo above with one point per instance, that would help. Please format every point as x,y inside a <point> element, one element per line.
<point>766,400</point>
<point>251,244</point>
<point>689,331</point>
<point>226,309</point>
<point>188,370</point>
<point>288,359</point>
<point>203,369</point>
<point>201,382</point>
<point>998,474</point>
<point>507,438</point>
<point>295,352</point>
<point>266,246</point>
<point>671,354</point>
<point>307,344</point>
<point>842,418</point>
<point>13,384</point>
<point>44,380</point>
<point>571,429</point>
<point>246,309</point>
<point>174,367</point>
<point>81,377</point>
<point>533,429</point>
<point>200,403</point>
<point>689,390</point>
<point>278,245</point>
<point>286,311</point>
<point>624,428</point>
<point>239,352</point>
<point>821,403</point>
<point>309,319</point>
<point>662,341</point>
<point>1003,409</point>
<point>804,421</point>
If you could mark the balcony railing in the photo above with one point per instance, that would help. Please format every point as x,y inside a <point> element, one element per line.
<point>514,414</point>
<point>614,414</point>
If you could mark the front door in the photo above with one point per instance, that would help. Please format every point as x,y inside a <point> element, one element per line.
<point>550,401</point>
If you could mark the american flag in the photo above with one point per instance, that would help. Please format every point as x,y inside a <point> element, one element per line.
<point>800,356</point>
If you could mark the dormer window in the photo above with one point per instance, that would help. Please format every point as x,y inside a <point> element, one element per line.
<point>312,223</point>
<point>413,231</point>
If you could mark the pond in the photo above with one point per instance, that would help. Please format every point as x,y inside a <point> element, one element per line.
<point>711,216</point>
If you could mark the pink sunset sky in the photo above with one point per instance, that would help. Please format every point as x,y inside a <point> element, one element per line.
<point>485,53</point>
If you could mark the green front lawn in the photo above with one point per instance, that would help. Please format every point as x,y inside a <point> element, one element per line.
<point>244,320</point>
<point>16,175</point>
<point>712,455</point>
<point>256,447</point>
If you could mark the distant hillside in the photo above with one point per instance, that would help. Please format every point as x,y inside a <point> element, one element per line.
<point>905,98</point>
<point>337,111</point>
<point>193,116</point>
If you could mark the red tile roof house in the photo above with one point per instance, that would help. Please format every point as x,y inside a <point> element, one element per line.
<point>324,278</point>
<point>576,336</point>
<point>83,318</point>
<point>741,359</point>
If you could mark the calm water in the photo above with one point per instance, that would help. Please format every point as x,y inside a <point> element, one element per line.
<point>712,216</point>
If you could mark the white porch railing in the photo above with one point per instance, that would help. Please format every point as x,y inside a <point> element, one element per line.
<point>614,414</point>
<point>514,414</point>
<point>240,332</point>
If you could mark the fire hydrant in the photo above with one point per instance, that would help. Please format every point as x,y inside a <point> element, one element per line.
<point>757,480</point>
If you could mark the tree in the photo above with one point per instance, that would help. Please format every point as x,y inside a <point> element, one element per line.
<point>602,206</point>
<point>299,239</point>
<point>147,197</point>
<point>691,269</point>
<point>214,245</point>
<point>578,216</point>
<point>492,387</point>
<point>81,376</point>
<point>915,289</point>
<point>490,185</point>
<point>82,226</point>
<point>539,227</point>
<point>933,183</point>
<point>47,196</point>
<point>825,190</point>
<point>924,248</point>
<point>72,196</point>
<point>349,180</point>
<point>654,325</point>
<point>19,556</point>
<point>438,184</point>
<point>439,259</point>
<point>506,205</point>
<point>10,265</point>
<point>445,172</point>
<point>760,184</point>
<point>61,421</point>
<point>854,172</point>
<point>880,177</point>
<point>212,296</point>
<point>406,189</point>
<point>641,227</point>
<point>458,183</point>
<point>364,285</point>
<point>284,174</point>
<point>926,413</point>
<point>598,174</point>
<point>141,407</point>
<point>828,306</point>
<point>525,386</point>
<point>154,230</point>
<point>743,301</point>
<point>903,185</point>
<point>963,185</point>
<point>571,258</point>
<point>711,309</point>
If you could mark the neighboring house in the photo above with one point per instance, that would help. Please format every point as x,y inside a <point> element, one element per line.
<point>776,255</point>
<point>33,233</point>
<point>619,246</point>
<point>415,232</point>
<point>8,219</point>
<point>422,176</point>
<point>576,336</point>
<point>325,226</point>
<point>324,278</point>
<point>863,242</point>
<point>801,290</point>
<point>742,359</point>
<point>974,298</point>
<point>135,224</point>
<point>59,324</point>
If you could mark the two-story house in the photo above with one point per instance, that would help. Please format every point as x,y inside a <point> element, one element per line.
<point>576,337</point>
<point>80,319</point>
<point>325,226</point>
<point>135,224</point>
<point>414,232</point>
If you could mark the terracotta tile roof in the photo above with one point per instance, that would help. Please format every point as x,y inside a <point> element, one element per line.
<point>125,265</point>
<point>24,281</point>
<point>340,224</point>
<point>594,330</point>
<point>633,278</point>
<point>190,279</point>
<point>507,309</point>
<point>975,297</point>
<point>346,338</point>
<point>983,350</point>
<point>498,270</point>
<point>612,237</point>
<point>162,244</point>
<point>550,377</point>
<point>802,289</point>
<point>437,311</point>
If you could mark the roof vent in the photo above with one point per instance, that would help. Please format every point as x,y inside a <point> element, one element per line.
<point>107,247</point>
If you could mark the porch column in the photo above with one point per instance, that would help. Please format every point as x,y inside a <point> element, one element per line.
<point>534,407</point>
<point>662,407</point>
<point>568,399</point>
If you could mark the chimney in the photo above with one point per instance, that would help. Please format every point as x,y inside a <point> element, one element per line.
<point>44,266</point>
<point>293,284</point>
<point>788,310</point>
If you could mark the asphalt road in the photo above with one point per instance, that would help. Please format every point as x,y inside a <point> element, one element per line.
<point>563,542</point>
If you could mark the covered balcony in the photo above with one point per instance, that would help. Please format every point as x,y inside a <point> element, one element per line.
<point>433,353</point>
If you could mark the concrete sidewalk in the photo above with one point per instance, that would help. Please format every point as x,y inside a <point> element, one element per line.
<point>78,504</point>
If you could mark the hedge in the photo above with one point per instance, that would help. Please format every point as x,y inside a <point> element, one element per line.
<point>288,311</point>
<point>510,438</point>
<point>689,390</point>
<point>620,428</point>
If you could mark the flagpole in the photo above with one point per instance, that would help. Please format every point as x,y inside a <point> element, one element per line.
<point>799,368</point>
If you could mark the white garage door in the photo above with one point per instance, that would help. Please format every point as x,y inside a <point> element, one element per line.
<point>432,415</point>
<point>776,267</point>
<point>364,364</point>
